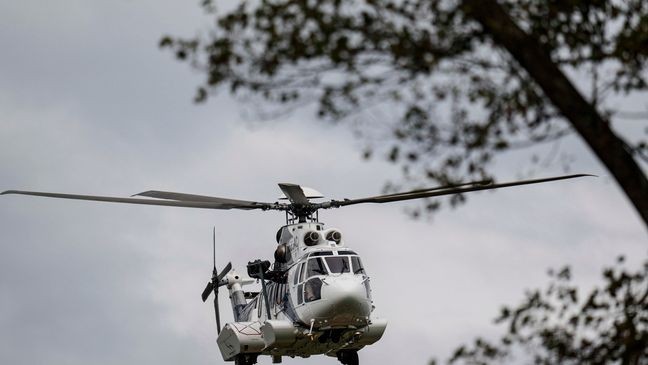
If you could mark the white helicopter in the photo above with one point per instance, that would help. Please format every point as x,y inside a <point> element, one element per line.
<point>316,297</point>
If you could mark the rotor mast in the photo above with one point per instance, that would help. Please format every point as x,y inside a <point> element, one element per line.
<point>300,209</point>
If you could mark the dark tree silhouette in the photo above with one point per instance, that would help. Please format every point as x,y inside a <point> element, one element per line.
<point>470,78</point>
<point>558,325</point>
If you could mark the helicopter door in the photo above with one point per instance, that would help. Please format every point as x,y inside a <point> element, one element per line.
<point>310,285</point>
<point>313,284</point>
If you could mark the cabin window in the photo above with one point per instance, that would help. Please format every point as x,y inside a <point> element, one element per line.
<point>316,267</point>
<point>357,265</point>
<point>338,264</point>
<point>300,294</point>
<point>313,290</point>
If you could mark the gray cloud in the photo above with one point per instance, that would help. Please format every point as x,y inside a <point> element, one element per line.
<point>89,105</point>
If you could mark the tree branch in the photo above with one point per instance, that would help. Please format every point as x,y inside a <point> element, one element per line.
<point>596,132</point>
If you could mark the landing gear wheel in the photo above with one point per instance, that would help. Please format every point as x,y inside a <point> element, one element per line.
<point>245,360</point>
<point>348,357</point>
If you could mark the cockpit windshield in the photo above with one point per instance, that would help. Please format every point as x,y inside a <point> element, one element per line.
<point>316,267</point>
<point>338,264</point>
<point>327,265</point>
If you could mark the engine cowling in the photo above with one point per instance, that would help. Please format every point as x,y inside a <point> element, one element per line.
<point>311,238</point>
<point>334,236</point>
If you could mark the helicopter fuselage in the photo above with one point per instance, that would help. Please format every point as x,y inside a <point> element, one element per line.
<point>320,304</point>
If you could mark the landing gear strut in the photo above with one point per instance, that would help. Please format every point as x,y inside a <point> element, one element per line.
<point>348,357</point>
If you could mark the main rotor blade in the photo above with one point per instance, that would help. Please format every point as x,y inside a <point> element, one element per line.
<point>169,203</point>
<point>170,195</point>
<point>472,183</point>
<point>439,191</point>
<point>294,193</point>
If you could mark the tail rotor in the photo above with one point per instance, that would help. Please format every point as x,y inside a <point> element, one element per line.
<point>215,283</point>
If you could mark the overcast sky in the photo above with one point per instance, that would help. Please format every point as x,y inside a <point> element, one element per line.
<point>88,104</point>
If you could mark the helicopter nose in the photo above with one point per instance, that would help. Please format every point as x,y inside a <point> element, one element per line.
<point>347,297</point>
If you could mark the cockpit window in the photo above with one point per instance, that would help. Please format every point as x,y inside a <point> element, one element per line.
<point>346,253</point>
<point>337,264</point>
<point>321,253</point>
<point>316,267</point>
<point>357,265</point>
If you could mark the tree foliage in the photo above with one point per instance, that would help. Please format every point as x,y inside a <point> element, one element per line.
<point>558,325</point>
<point>460,98</point>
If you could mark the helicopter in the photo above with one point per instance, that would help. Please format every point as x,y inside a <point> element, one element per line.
<point>315,297</point>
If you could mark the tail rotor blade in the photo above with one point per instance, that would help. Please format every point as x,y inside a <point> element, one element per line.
<point>208,289</point>
<point>224,272</point>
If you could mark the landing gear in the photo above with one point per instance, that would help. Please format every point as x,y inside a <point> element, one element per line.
<point>348,357</point>
<point>246,359</point>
